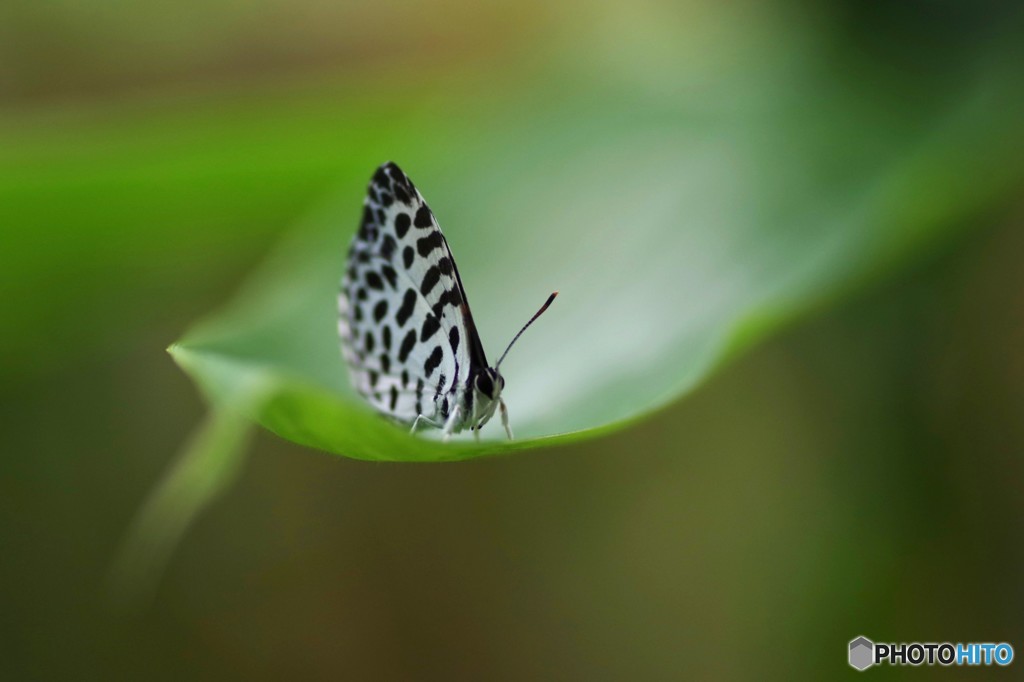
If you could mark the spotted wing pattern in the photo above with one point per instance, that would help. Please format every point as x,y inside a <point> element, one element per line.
<point>407,333</point>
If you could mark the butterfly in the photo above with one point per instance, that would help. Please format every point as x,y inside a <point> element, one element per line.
<point>407,332</point>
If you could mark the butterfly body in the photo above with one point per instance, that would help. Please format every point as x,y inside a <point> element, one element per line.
<point>407,332</point>
<point>473,406</point>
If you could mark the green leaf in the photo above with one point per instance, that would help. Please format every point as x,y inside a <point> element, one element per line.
<point>677,230</point>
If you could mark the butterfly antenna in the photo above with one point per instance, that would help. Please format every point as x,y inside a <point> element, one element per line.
<point>525,326</point>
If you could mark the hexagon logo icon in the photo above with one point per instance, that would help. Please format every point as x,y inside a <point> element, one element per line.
<point>862,653</point>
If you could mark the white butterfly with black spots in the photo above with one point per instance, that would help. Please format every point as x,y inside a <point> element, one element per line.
<point>406,329</point>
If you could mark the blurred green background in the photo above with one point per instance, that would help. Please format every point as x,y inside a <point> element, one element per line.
<point>858,474</point>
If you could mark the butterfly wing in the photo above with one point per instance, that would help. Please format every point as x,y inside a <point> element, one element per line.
<point>406,329</point>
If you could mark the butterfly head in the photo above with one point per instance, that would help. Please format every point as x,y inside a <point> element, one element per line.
<point>490,383</point>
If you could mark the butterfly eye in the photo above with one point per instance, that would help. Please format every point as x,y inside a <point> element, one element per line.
<point>484,384</point>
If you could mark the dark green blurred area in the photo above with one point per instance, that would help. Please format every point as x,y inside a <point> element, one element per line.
<point>860,474</point>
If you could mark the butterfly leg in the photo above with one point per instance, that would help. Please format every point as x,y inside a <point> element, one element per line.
<point>450,424</point>
<point>504,419</point>
<point>474,424</point>
<point>416,423</point>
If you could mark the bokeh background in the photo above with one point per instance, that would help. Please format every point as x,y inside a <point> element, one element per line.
<point>859,473</point>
